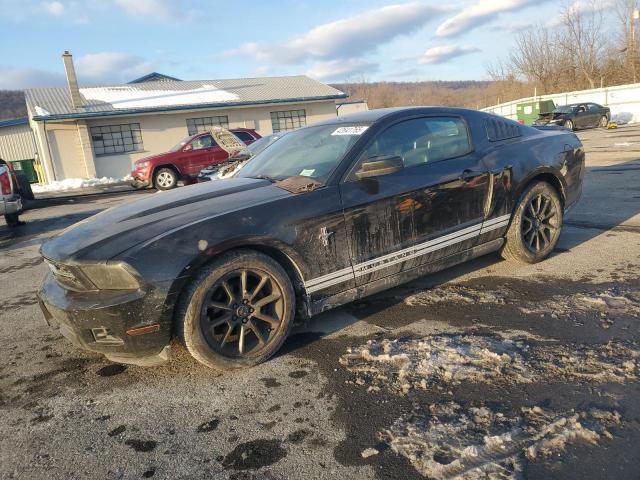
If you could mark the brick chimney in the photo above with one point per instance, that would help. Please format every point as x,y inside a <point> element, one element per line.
<point>72,80</point>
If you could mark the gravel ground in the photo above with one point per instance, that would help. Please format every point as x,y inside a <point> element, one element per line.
<point>486,370</point>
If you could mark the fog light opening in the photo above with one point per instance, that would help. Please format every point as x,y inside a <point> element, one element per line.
<point>102,335</point>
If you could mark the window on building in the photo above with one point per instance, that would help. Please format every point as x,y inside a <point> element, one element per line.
<point>115,139</point>
<point>202,124</point>
<point>288,120</point>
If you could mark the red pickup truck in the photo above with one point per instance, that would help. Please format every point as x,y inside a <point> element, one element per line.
<point>185,160</point>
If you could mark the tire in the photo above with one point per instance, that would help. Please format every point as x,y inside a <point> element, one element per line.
<point>217,334</point>
<point>604,122</point>
<point>165,179</point>
<point>12,219</point>
<point>569,125</point>
<point>528,239</point>
<point>25,187</point>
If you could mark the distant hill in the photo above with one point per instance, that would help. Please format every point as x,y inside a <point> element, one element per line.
<point>12,104</point>
<point>464,93</point>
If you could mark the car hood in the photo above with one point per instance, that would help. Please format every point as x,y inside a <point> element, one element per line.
<point>118,229</point>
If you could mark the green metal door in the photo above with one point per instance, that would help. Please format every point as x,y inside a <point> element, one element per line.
<point>26,168</point>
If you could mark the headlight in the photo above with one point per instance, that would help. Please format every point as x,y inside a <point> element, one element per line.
<point>142,164</point>
<point>115,276</point>
<point>100,276</point>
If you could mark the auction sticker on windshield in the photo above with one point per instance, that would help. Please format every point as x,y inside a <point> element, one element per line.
<point>355,130</point>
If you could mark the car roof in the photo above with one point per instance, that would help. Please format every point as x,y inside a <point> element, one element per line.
<point>371,116</point>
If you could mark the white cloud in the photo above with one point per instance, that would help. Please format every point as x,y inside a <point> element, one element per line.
<point>346,38</point>
<point>54,8</point>
<point>20,78</point>
<point>110,67</point>
<point>144,9</point>
<point>444,53</point>
<point>480,13</point>
<point>341,69</point>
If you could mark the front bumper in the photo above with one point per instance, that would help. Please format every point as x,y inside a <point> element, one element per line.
<point>98,321</point>
<point>11,205</point>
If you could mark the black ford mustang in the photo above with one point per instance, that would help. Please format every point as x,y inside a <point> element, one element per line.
<point>330,213</point>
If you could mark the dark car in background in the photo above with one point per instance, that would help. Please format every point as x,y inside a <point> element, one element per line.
<point>185,160</point>
<point>328,214</point>
<point>577,116</point>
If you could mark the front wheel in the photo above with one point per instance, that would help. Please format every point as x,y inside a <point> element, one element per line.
<point>604,122</point>
<point>237,312</point>
<point>165,179</point>
<point>569,125</point>
<point>535,225</point>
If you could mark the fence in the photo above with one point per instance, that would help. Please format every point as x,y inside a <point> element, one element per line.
<point>623,100</point>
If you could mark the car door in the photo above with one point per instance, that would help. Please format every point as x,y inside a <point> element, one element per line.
<point>397,221</point>
<point>202,154</point>
<point>595,114</point>
<point>582,116</point>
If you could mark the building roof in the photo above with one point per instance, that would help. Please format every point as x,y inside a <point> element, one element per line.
<point>168,95</point>
<point>13,122</point>
<point>154,77</point>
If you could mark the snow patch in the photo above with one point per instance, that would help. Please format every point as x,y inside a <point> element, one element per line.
<point>77,183</point>
<point>41,112</point>
<point>124,97</point>
<point>437,361</point>
<point>446,441</point>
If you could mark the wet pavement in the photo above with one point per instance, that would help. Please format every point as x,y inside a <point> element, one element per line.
<point>487,370</point>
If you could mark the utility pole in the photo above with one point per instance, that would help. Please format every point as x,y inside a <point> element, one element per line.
<point>635,15</point>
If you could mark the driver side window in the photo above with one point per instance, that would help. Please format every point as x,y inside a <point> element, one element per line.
<point>422,140</point>
<point>203,142</point>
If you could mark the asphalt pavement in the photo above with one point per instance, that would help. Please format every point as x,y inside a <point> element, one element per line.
<point>487,370</point>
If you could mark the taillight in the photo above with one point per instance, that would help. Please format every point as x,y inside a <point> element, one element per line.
<point>5,183</point>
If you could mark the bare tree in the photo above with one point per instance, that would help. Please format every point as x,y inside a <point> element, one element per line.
<point>583,39</point>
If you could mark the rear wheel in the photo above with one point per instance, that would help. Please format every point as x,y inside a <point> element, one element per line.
<point>604,122</point>
<point>569,125</point>
<point>238,311</point>
<point>165,179</point>
<point>535,226</point>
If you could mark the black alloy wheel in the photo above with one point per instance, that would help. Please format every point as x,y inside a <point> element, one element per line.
<point>540,225</point>
<point>242,312</point>
<point>237,311</point>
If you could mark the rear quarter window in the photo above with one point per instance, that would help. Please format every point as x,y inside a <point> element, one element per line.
<point>499,130</point>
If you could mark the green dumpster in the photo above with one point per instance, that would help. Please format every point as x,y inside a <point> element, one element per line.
<point>530,111</point>
<point>26,168</point>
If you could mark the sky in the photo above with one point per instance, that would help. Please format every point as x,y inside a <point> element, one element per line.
<point>114,41</point>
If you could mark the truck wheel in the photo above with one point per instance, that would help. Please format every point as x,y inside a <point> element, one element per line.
<point>569,125</point>
<point>237,312</point>
<point>12,219</point>
<point>165,179</point>
<point>535,225</point>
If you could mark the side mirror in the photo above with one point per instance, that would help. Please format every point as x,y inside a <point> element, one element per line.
<point>379,166</point>
<point>187,148</point>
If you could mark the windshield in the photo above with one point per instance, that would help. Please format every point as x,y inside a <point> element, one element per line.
<point>565,109</point>
<point>262,143</point>
<point>312,152</point>
<point>181,144</point>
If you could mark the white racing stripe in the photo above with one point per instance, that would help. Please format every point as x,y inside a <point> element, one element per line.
<point>405,254</point>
